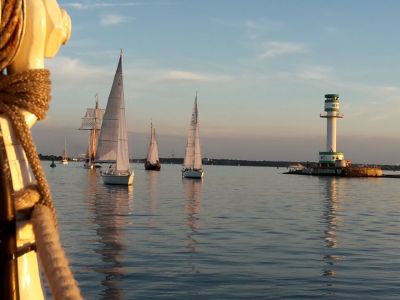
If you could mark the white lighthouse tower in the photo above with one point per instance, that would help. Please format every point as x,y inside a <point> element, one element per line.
<point>331,157</point>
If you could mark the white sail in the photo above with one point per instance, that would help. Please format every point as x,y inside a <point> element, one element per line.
<point>92,119</point>
<point>193,152</point>
<point>152,155</point>
<point>113,140</point>
<point>197,164</point>
<point>65,155</point>
<point>64,159</point>
<point>122,153</point>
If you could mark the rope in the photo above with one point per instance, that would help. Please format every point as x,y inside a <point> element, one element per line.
<point>29,90</point>
<point>26,198</point>
<point>12,15</point>
<point>52,255</point>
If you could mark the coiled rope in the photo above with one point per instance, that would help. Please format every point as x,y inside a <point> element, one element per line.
<point>11,25</point>
<point>30,91</point>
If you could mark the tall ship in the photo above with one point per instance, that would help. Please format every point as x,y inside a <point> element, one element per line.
<point>192,164</point>
<point>152,160</point>
<point>113,140</point>
<point>92,122</point>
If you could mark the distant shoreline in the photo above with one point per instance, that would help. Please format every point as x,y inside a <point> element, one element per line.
<point>235,162</point>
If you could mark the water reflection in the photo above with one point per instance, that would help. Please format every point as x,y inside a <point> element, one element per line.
<point>111,206</point>
<point>193,193</point>
<point>152,178</point>
<point>331,215</point>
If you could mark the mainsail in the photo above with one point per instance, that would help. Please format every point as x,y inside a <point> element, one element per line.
<point>113,140</point>
<point>152,155</point>
<point>64,154</point>
<point>193,150</point>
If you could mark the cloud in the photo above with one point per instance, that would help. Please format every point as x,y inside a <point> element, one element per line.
<point>388,88</point>
<point>331,30</point>
<point>177,75</point>
<point>73,69</point>
<point>263,25</point>
<point>273,49</point>
<point>84,6</point>
<point>258,25</point>
<point>258,29</point>
<point>75,5</point>
<point>250,24</point>
<point>316,73</point>
<point>96,5</point>
<point>114,19</point>
<point>154,75</point>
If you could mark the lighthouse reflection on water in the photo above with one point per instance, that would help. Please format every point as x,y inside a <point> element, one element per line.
<point>331,217</point>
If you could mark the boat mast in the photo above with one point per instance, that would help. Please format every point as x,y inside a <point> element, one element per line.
<point>122,148</point>
<point>197,164</point>
<point>151,135</point>
<point>93,132</point>
<point>65,148</point>
<point>150,150</point>
<point>190,151</point>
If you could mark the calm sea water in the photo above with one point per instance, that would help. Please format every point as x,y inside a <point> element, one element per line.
<point>241,233</point>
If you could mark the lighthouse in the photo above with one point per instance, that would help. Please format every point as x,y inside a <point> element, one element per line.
<point>331,157</point>
<point>331,162</point>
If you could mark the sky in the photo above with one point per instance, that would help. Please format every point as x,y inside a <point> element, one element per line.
<point>260,68</point>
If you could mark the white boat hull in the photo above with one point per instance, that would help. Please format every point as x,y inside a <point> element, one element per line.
<point>118,179</point>
<point>91,166</point>
<point>191,173</point>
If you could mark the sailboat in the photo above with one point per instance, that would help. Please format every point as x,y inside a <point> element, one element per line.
<point>192,164</point>
<point>152,161</point>
<point>113,139</point>
<point>92,122</point>
<point>64,159</point>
